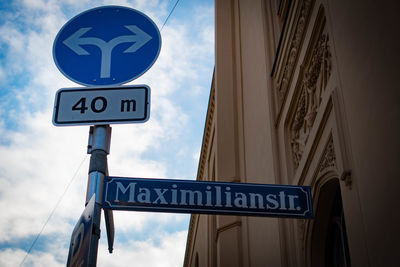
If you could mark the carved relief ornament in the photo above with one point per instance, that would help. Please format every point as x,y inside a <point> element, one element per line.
<point>313,85</point>
<point>283,82</point>
<point>329,158</point>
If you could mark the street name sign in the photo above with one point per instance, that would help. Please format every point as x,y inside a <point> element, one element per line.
<point>186,196</point>
<point>101,105</point>
<point>108,45</point>
<point>80,240</point>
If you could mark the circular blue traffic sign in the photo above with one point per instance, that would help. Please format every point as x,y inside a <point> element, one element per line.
<point>108,45</point>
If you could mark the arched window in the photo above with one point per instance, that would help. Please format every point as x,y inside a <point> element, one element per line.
<point>329,246</point>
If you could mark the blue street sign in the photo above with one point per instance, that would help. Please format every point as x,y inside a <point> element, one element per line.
<point>79,248</point>
<point>108,45</point>
<point>185,196</point>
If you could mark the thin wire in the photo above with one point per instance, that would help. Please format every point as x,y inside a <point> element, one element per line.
<point>165,22</point>
<point>54,209</point>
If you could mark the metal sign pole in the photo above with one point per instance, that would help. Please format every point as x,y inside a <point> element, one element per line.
<point>100,106</point>
<point>99,148</point>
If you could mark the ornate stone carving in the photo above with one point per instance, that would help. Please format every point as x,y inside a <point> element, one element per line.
<point>299,135</point>
<point>316,77</point>
<point>314,81</point>
<point>294,48</point>
<point>328,160</point>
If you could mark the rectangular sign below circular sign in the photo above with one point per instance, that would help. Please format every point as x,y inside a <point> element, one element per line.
<point>102,105</point>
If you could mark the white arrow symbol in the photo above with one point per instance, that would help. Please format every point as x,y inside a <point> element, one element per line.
<point>75,41</point>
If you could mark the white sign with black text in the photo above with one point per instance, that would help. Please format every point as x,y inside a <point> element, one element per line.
<point>102,105</point>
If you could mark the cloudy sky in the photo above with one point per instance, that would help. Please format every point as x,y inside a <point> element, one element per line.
<point>43,168</point>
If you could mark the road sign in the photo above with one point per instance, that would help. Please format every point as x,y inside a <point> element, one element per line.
<point>185,196</point>
<point>102,105</point>
<point>107,45</point>
<point>79,247</point>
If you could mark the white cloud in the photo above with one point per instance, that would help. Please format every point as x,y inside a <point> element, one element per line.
<point>13,257</point>
<point>54,255</point>
<point>164,250</point>
<point>15,43</point>
<point>36,169</point>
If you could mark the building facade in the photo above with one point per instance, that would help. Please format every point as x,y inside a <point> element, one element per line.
<point>305,92</point>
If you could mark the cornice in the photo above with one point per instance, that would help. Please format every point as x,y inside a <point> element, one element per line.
<point>207,133</point>
<point>200,171</point>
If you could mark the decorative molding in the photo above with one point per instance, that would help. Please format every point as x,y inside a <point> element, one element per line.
<point>328,160</point>
<point>294,49</point>
<point>327,163</point>
<point>194,218</point>
<point>190,238</point>
<point>207,134</point>
<point>317,72</point>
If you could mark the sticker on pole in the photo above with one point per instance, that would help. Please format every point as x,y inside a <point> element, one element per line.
<point>109,45</point>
